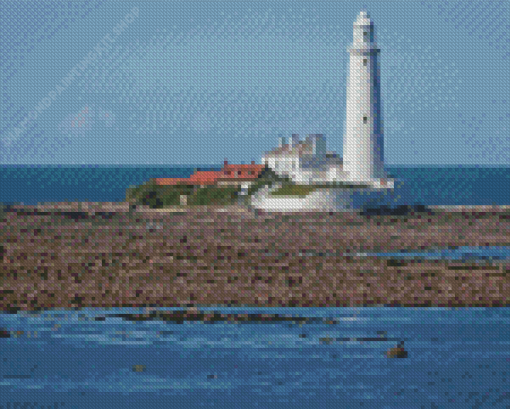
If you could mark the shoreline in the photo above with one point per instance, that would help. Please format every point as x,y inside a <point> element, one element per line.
<point>102,255</point>
<point>207,308</point>
<point>124,206</point>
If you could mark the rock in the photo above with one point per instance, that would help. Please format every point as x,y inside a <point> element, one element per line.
<point>139,368</point>
<point>397,352</point>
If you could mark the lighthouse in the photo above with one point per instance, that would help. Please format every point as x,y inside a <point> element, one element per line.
<point>363,138</point>
<point>360,180</point>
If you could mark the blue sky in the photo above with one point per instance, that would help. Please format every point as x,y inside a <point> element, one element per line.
<point>196,82</point>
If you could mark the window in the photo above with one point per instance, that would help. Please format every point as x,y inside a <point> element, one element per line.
<point>365,62</point>
<point>365,36</point>
<point>239,172</point>
<point>365,119</point>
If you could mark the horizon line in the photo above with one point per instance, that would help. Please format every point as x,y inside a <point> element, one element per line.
<point>236,163</point>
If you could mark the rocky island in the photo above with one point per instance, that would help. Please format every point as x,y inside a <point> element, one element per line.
<point>79,255</point>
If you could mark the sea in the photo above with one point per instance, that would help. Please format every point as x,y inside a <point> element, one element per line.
<point>92,358</point>
<point>426,185</point>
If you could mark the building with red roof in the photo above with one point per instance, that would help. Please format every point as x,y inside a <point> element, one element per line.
<point>229,175</point>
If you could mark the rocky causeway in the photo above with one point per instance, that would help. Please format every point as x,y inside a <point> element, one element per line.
<point>77,255</point>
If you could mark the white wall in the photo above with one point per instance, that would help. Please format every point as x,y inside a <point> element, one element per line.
<point>336,174</point>
<point>283,165</point>
<point>326,200</point>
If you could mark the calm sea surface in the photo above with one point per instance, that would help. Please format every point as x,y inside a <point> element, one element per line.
<point>423,185</point>
<point>457,358</point>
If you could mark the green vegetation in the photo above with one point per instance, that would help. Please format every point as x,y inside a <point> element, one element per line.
<point>155,196</point>
<point>294,190</point>
<point>291,189</point>
<point>267,178</point>
<point>257,185</point>
<point>158,197</point>
<point>212,195</point>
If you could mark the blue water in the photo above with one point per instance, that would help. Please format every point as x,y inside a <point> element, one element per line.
<point>462,253</point>
<point>457,358</point>
<point>422,185</point>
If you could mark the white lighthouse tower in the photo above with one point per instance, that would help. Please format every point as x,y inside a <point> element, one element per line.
<point>363,139</point>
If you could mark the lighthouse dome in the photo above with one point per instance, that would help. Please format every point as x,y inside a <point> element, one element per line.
<point>363,19</point>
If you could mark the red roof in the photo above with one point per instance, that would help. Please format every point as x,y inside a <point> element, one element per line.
<point>229,172</point>
<point>241,171</point>
<point>205,175</point>
<point>170,181</point>
<point>199,178</point>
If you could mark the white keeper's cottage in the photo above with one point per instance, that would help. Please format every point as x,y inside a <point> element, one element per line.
<point>305,162</point>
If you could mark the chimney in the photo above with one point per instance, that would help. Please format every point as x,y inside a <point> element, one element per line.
<point>253,162</point>
<point>225,163</point>
<point>281,141</point>
<point>318,144</point>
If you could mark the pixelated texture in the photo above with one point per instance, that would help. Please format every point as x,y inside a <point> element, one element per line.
<point>83,285</point>
<point>193,83</point>
<point>106,256</point>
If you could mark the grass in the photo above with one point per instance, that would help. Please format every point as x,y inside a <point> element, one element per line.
<point>291,189</point>
<point>214,196</point>
<point>294,190</point>
<point>155,196</point>
<point>159,197</point>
